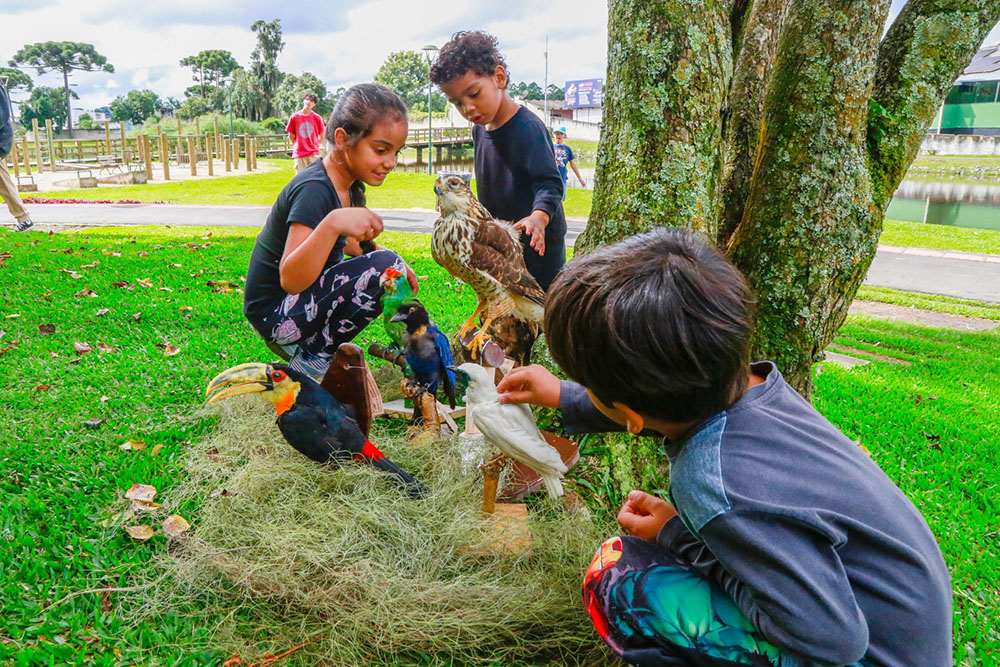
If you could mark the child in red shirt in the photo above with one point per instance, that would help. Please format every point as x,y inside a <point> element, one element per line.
<point>306,129</point>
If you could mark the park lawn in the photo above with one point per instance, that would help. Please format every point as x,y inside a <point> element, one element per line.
<point>940,237</point>
<point>930,425</point>
<point>936,302</point>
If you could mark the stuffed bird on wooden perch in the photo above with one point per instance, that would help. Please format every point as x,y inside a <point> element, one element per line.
<point>512,429</point>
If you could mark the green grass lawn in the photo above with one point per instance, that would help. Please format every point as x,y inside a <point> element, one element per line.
<point>931,425</point>
<point>940,237</point>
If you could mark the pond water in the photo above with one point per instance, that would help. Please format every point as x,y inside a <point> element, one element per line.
<point>940,202</point>
<point>947,203</point>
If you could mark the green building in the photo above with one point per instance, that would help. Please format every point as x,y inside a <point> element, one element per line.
<point>973,105</point>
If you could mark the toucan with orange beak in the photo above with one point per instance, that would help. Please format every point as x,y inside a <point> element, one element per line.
<point>312,421</point>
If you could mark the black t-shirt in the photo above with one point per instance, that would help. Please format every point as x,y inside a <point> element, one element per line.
<point>516,174</point>
<point>307,199</point>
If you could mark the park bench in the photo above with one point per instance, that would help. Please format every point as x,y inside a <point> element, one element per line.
<point>110,163</point>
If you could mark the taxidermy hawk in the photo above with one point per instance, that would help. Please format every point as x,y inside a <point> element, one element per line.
<point>485,253</point>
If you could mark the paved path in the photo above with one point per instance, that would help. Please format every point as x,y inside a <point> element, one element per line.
<point>965,275</point>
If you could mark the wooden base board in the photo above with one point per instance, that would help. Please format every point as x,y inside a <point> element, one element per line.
<point>397,408</point>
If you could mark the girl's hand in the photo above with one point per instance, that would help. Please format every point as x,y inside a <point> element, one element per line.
<point>534,226</point>
<point>411,278</point>
<point>356,221</point>
<point>643,515</point>
<point>530,384</point>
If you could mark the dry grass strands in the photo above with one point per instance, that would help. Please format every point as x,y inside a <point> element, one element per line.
<point>297,549</point>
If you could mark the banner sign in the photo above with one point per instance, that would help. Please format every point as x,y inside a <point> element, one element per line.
<point>584,93</point>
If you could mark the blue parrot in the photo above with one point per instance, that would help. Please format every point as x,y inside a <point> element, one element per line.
<point>427,350</point>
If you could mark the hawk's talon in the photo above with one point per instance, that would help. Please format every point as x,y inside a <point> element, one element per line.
<point>477,343</point>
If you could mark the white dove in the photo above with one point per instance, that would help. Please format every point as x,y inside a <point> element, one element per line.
<point>512,429</point>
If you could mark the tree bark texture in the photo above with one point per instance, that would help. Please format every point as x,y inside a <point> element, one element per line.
<point>779,128</point>
<point>669,67</point>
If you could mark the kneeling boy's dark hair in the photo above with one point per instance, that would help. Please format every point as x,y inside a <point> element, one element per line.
<point>468,50</point>
<point>659,322</point>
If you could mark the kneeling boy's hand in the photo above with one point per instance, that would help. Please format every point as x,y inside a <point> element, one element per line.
<point>643,515</point>
<point>530,384</point>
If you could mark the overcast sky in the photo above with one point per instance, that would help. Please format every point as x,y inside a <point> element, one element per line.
<point>341,42</point>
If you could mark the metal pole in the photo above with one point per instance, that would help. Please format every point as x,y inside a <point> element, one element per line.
<point>430,134</point>
<point>546,91</point>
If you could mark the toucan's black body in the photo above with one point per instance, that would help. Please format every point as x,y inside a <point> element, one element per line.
<point>318,426</point>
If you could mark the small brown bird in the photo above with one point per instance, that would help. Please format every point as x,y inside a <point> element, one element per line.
<point>486,253</point>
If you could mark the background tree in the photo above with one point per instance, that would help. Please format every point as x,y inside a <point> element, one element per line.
<point>405,73</point>
<point>64,57</point>
<point>45,102</point>
<point>293,88</point>
<point>780,128</point>
<point>85,121</point>
<point>17,81</point>
<point>210,68</point>
<point>264,77</point>
<point>556,93</point>
<point>136,106</point>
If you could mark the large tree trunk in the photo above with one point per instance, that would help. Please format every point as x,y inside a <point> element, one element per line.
<point>780,128</point>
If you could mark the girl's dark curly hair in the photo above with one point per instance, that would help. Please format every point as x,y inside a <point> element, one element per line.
<point>468,50</point>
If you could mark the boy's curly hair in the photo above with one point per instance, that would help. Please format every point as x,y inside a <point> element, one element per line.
<point>468,50</point>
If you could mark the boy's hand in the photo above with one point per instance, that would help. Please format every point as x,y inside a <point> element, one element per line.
<point>356,221</point>
<point>534,226</point>
<point>643,515</point>
<point>530,384</point>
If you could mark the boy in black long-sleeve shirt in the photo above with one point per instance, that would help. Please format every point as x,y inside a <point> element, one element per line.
<point>516,174</point>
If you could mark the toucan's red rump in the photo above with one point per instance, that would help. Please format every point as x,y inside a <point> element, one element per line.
<point>371,451</point>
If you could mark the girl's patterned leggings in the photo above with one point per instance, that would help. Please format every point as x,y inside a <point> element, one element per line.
<point>309,326</point>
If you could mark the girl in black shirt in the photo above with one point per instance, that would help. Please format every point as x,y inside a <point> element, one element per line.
<point>302,295</point>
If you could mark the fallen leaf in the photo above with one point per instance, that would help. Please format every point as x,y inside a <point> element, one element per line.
<point>104,399</point>
<point>145,506</point>
<point>104,348</point>
<point>137,316</point>
<point>175,525</point>
<point>155,451</point>
<point>115,253</point>
<point>12,316</point>
<point>170,350</point>
<point>90,266</point>
<point>186,308</point>
<point>93,421</point>
<point>42,387</point>
<point>54,355</point>
<point>130,445</point>
<point>164,289</point>
<point>222,493</point>
<point>141,492</point>
<point>72,274</point>
<point>141,533</point>
<point>142,253</point>
<point>47,328</point>
<point>933,440</point>
<point>86,291</point>
<point>213,454</point>
<point>176,266</point>
<point>120,284</point>
<point>145,282</point>
<point>106,606</point>
<point>103,311</point>
<point>206,236</point>
<point>81,348</point>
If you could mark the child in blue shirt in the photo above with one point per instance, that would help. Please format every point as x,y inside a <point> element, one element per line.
<point>782,543</point>
<point>565,159</point>
<point>516,175</point>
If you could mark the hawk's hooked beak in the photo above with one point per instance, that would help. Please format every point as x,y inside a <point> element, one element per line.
<point>438,190</point>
